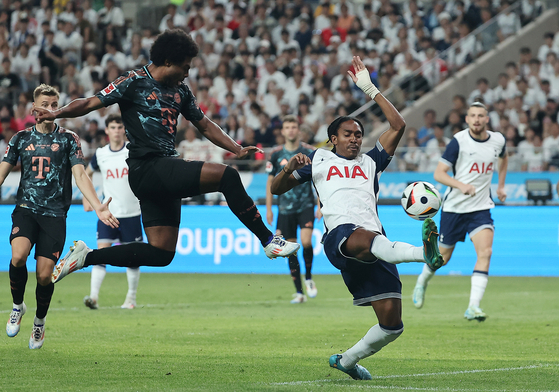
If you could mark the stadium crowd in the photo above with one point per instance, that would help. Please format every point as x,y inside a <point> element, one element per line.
<point>262,60</point>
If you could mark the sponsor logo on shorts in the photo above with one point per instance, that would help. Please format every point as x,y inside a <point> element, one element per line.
<point>56,254</point>
<point>15,230</point>
<point>309,224</point>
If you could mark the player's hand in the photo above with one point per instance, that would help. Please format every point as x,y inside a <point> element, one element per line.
<point>297,161</point>
<point>270,216</point>
<point>247,151</point>
<point>106,216</point>
<point>42,114</point>
<point>358,65</point>
<point>468,189</point>
<point>318,214</point>
<point>502,194</point>
<point>87,205</point>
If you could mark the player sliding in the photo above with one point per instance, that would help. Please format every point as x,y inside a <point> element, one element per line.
<point>355,242</point>
<point>151,99</point>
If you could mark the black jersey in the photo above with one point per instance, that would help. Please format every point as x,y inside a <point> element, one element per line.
<point>46,168</point>
<point>150,111</point>
<point>299,198</point>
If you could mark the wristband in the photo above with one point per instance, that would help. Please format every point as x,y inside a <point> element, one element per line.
<point>365,84</point>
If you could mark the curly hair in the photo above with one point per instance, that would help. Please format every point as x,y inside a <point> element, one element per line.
<point>173,46</point>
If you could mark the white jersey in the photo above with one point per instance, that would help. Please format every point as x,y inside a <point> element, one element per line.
<point>113,168</point>
<point>348,188</point>
<point>472,162</point>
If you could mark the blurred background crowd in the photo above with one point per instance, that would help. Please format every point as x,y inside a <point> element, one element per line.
<point>261,60</point>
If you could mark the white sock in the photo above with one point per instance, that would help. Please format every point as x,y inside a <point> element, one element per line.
<point>395,252</point>
<point>375,339</point>
<point>479,283</point>
<point>98,273</point>
<point>16,306</point>
<point>133,275</point>
<point>39,321</point>
<point>425,276</point>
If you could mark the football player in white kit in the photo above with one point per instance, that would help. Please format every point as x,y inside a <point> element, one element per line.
<point>110,160</point>
<point>347,183</point>
<point>473,155</point>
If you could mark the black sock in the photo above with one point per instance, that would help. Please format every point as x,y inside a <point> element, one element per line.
<point>308,255</point>
<point>131,255</point>
<point>242,205</point>
<point>43,295</point>
<point>295,269</point>
<point>18,280</point>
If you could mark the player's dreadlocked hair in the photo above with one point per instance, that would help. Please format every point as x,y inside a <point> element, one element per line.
<point>335,125</point>
<point>173,46</point>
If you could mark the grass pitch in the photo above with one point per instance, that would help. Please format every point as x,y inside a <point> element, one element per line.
<point>194,332</point>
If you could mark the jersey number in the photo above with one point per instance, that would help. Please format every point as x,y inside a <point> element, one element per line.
<point>40,165</point>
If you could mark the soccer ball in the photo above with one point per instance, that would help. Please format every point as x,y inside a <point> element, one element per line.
<point>421,200</point>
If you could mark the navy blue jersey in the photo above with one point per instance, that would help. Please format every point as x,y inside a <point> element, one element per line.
<point>150,111</point>
<point>46,168</point>
<point>299,198</point>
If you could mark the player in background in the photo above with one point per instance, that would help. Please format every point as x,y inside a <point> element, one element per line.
<point>347,183</point>
<point>151,99</point>
<point>295,208</point>
<point>110,160</point>
<point>49,156</point>
<point>472,155</point>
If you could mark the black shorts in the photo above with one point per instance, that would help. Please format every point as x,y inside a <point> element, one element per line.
<point>160,183</point>
<point>288,223</point>
<point>46,233</point>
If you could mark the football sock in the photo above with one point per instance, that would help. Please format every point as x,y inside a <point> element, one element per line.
<point>374,340</point>
<point>425,276</point>
<point>39,320</point>
<point>295,269</point>
<point>479,283</point>
<point>133,276</point>
<point>130,255</point>
<point>395,252</point>
<point>18,280</point>
<point>308,255</point>
<point>242,205</point>
<point>98,273</point>
<point>43,295</point>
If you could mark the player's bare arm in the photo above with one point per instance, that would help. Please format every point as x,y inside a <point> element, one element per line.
<point>76,108</point>
<point>362,79</point>
<point>441,175</point>
<point>217,136</point>
<point>269,200</point>
<point>87,205</point>
<point>502,172</point>
<point>5,169</point>
<point>86,187</point>
<point>284,180</point>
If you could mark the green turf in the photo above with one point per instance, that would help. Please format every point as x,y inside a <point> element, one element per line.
<point>194,332</point>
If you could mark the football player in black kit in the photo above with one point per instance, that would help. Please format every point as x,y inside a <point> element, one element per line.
<point>150,100</point>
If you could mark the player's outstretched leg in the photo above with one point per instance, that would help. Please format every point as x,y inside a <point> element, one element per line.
<point>431,253</point>
<point>73,261</point>
<point>14,322</point>
<point>279,247</point>
<point>357,372</point>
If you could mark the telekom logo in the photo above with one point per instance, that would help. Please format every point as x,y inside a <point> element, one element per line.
<point>42,166</point>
